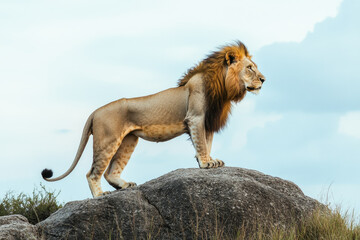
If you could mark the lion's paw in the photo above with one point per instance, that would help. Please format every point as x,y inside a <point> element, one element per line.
<point>105,193</point>
<point>220,163</point>
<point>129,185</point>
<point>213,163</point>
<point>217,163</point>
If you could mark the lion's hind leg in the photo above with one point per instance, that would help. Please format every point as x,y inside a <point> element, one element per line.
<point>104,151</point>
<point>119,161</point>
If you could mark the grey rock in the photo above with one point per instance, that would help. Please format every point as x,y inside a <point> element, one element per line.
<point>184,204</point>
<point>200,203</point>
<point>120,215</point>
<point>16,227</point>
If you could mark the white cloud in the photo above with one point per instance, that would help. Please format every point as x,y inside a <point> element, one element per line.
<point>349,124</point>
<point>185,52</point>
<point>261,22</point>
<point>248,119</point>
<point>243,120</point>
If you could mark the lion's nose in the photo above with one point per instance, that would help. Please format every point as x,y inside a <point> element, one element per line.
<point>262,80</point>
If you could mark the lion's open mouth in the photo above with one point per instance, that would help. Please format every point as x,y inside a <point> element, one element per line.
<point>253,89</point>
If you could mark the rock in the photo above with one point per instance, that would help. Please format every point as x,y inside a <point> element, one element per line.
<point>15,227</point>
<point>184,204</point>
<point>120,215</point>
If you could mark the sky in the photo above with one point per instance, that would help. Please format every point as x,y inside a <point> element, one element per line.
<point>59,61</point>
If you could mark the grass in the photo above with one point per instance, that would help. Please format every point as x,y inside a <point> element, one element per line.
<point>320,225</point>
<point>331,225</point>
<point>35,207</point>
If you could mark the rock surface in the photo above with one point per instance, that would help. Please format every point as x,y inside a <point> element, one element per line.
<point>15,227</point>
<point>183,204</point>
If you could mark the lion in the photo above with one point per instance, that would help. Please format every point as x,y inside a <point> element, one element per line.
<point>199,106</point>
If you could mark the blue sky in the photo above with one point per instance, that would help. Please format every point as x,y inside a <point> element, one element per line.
<point>60,61</point>
<point>315,87</point>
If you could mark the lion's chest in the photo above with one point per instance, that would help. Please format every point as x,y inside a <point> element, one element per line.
<point>159,133</point>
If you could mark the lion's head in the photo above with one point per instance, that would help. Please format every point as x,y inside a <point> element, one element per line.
<point>242,74</point>
<point>228,74</point>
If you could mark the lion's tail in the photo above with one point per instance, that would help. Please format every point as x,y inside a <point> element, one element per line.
<point>47,173</point>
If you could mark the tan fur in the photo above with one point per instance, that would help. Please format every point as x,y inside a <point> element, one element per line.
<point>199,106</point>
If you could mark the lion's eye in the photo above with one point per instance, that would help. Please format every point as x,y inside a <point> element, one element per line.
<point>250,68</point>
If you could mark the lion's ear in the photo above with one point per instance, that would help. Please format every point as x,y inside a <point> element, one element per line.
<point>232,81</point>
<point>229,58</point>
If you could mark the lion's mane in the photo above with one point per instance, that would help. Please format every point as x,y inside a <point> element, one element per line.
<point>213,70</point>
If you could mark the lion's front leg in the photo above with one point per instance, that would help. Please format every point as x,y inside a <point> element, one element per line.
<point>198,137</point>
<point>209,139</point>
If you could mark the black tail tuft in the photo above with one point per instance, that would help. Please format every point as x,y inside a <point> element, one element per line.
<point>47,173</point>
